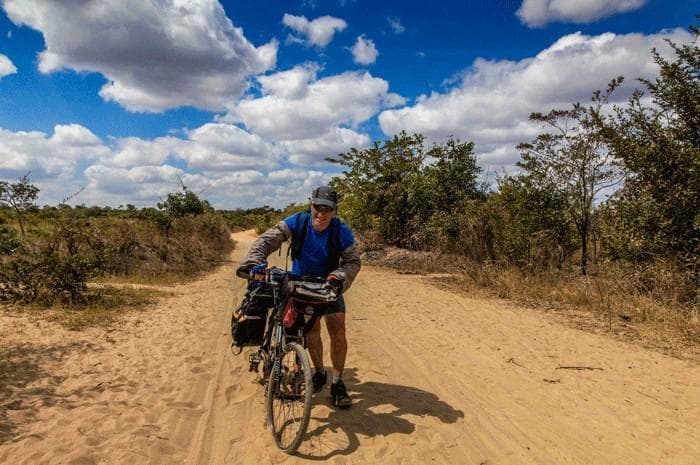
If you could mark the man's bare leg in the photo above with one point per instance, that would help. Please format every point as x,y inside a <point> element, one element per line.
<point>335,323</point>
<point>315,345</point>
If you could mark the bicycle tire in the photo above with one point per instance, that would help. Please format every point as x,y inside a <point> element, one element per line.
<point>289,398</point>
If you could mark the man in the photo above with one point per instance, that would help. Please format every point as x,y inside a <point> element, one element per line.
<point>322,246</point>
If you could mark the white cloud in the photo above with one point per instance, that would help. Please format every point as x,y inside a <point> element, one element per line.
<point>288,174</point>
<point>346,99</point>
<point>47,156</point>
<point>137,184</point>
<point>246,177</point>
<point>135,170</point>
<point>491,104</point>
<point>318,32</point>
<point>228,165</point>
<point>310,118</point>
<point>74,135</point>
<point>51,159</point>
<point>133,151</point>
<point>6,66</point>
<point>315,150</point>
<point>293,83</point>
<point>213,147</point>
<point>147,185</point>
<point>536,13</point>
<point>219,147</point>
<point>395,25</point>
<point>364,51</point>
<point>155,55</point>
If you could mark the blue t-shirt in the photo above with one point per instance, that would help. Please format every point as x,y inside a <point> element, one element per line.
<point>314,255</point>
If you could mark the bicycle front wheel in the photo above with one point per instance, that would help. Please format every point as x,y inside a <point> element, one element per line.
<point>289,397</point>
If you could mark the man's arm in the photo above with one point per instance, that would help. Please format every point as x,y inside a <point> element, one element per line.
<point>349,266</point>
<point>263,246</point>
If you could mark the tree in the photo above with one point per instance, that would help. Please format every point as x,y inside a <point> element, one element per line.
<point>20,197</point>
<point>184,203</point>
<point>380,187</point>
<point>529,222</point>
<point>659,145</point>
<point>573,159</point>
<point>453,176</point>
<point>412,197</point>
<point>450,200</point>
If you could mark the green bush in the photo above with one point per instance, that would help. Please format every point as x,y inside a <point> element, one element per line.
<point>56,268</point>
<point>9,243</point>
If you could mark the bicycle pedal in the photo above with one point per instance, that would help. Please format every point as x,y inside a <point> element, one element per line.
<point>254,359</point>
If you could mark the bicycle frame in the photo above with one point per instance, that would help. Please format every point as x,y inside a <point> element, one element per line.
<point>286,365</point>
<point>275,338</point>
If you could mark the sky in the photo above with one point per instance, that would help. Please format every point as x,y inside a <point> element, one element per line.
<point>116,102</point>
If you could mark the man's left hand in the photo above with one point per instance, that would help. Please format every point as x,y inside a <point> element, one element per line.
<point>336,282</point>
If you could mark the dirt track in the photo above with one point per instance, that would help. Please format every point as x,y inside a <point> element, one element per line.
<point>436,378</point>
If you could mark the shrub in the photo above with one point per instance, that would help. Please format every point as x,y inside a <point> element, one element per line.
<point>56,268</point>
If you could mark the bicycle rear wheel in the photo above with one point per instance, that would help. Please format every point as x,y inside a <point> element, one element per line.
<point>289,397</point>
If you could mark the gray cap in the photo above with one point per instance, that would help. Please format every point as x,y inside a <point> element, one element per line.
<point>324,195</point>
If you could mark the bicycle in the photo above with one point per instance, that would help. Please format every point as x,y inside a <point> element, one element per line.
<point>286,369</point>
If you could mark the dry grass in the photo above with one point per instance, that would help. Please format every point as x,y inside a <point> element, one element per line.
<point>172,278</point>
<point>105,306</point>
<point>648,306</point>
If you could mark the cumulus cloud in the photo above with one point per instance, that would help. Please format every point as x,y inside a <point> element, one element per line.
<point>228,165</point>
<point>74,136</point>
<point>220,147</point>
<point>536,13</point>
<point>364,51</point>
<point>147,185</point>
<point>47,156</point>
<point>347,99</point>
<point>311,118</point>
<point>288,174</point>
<point>6,66</point>
<point>51,159</point>
<point>493,100</point>
<point>138,184</point>
<point>155,55</point>
<point>293,83</point>
<point>318,32</point>
<point>315,150</point>
<point>216,157</point>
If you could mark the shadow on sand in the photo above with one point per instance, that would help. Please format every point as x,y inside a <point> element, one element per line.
<point>21,366</point>
<point>398,402</point>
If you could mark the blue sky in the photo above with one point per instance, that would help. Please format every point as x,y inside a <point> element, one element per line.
<point>244,100</point>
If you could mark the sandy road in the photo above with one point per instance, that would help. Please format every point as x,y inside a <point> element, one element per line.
<point>436,378</point>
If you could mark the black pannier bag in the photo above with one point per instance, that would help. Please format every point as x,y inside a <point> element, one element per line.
<point>249,319</point>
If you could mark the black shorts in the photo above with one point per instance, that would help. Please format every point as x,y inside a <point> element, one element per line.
<point>334,307</point>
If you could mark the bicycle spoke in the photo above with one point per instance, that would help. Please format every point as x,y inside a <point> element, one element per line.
<point>289,403</point>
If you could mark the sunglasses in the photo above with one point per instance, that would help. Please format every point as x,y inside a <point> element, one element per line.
<point>323,208</point>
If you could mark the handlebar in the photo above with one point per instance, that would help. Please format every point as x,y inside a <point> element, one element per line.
<point>305,288</point>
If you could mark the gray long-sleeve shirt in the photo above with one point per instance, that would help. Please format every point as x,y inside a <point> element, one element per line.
<point>273,238</point>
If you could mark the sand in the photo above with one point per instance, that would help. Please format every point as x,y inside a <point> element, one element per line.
<point>436,378</point>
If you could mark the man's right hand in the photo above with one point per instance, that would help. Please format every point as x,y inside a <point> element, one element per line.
<point>258,271</point>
